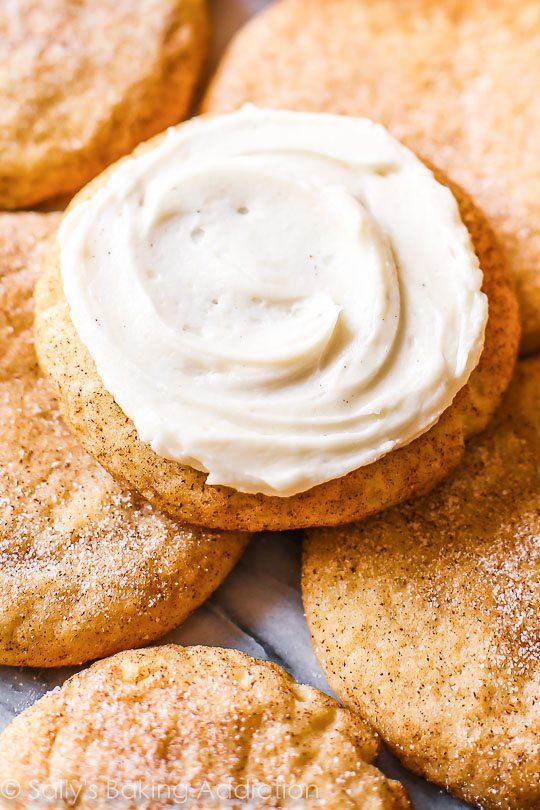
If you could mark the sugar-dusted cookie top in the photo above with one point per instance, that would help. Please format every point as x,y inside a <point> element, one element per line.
<point>86,567</point>
<point>427,617</point>
<point>83,81</point>
<point>199,726</point>
<point>456,80</point>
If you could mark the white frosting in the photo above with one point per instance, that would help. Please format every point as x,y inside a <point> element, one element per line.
<point>275,298</point>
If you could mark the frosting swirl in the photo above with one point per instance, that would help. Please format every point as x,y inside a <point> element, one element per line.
<point>275,298</point>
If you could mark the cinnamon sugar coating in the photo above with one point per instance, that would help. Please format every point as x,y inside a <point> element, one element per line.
<point>86,568</point>
<point>455,80</point>
<point>427,617</point>
<point>84,81</point>
<point>198,719</point>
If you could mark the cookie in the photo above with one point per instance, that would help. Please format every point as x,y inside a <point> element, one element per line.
<point>199,724</point>
<point>86,569</point>
<point>426,618</point>
<point>83,81</point>
<point>105,431</point>
<point>454,80</point>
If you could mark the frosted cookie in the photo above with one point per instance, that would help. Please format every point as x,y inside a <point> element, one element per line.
<point>426,618</point>
<point>455,80</point>
<point>243,367</point>
<point>83,82</point>
<point>86,569</point>
<point>204,726</point>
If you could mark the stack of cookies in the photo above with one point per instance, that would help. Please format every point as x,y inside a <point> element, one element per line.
<point>301,309</point>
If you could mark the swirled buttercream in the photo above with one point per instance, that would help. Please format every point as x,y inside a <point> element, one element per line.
<point>275,298</point>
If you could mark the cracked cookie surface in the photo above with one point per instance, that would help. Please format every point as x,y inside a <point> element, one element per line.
<point>202,720</point>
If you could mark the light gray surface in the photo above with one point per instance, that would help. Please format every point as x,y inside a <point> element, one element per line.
<point>258,609</point>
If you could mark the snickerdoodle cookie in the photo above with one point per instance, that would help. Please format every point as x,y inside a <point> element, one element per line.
<point>176,343</point>
<point>456,80</point>
<point>426,618</point>
<point>86,569</point>
<point>83,81</point>
<point>197,725</point>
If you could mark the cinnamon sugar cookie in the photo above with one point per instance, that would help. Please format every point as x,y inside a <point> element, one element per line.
<point>426,618</point>
<point>86,569</point>
<point>456,80</point>
<point>196,725</point>
<point>83,81</point>
<point>181,490</point>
